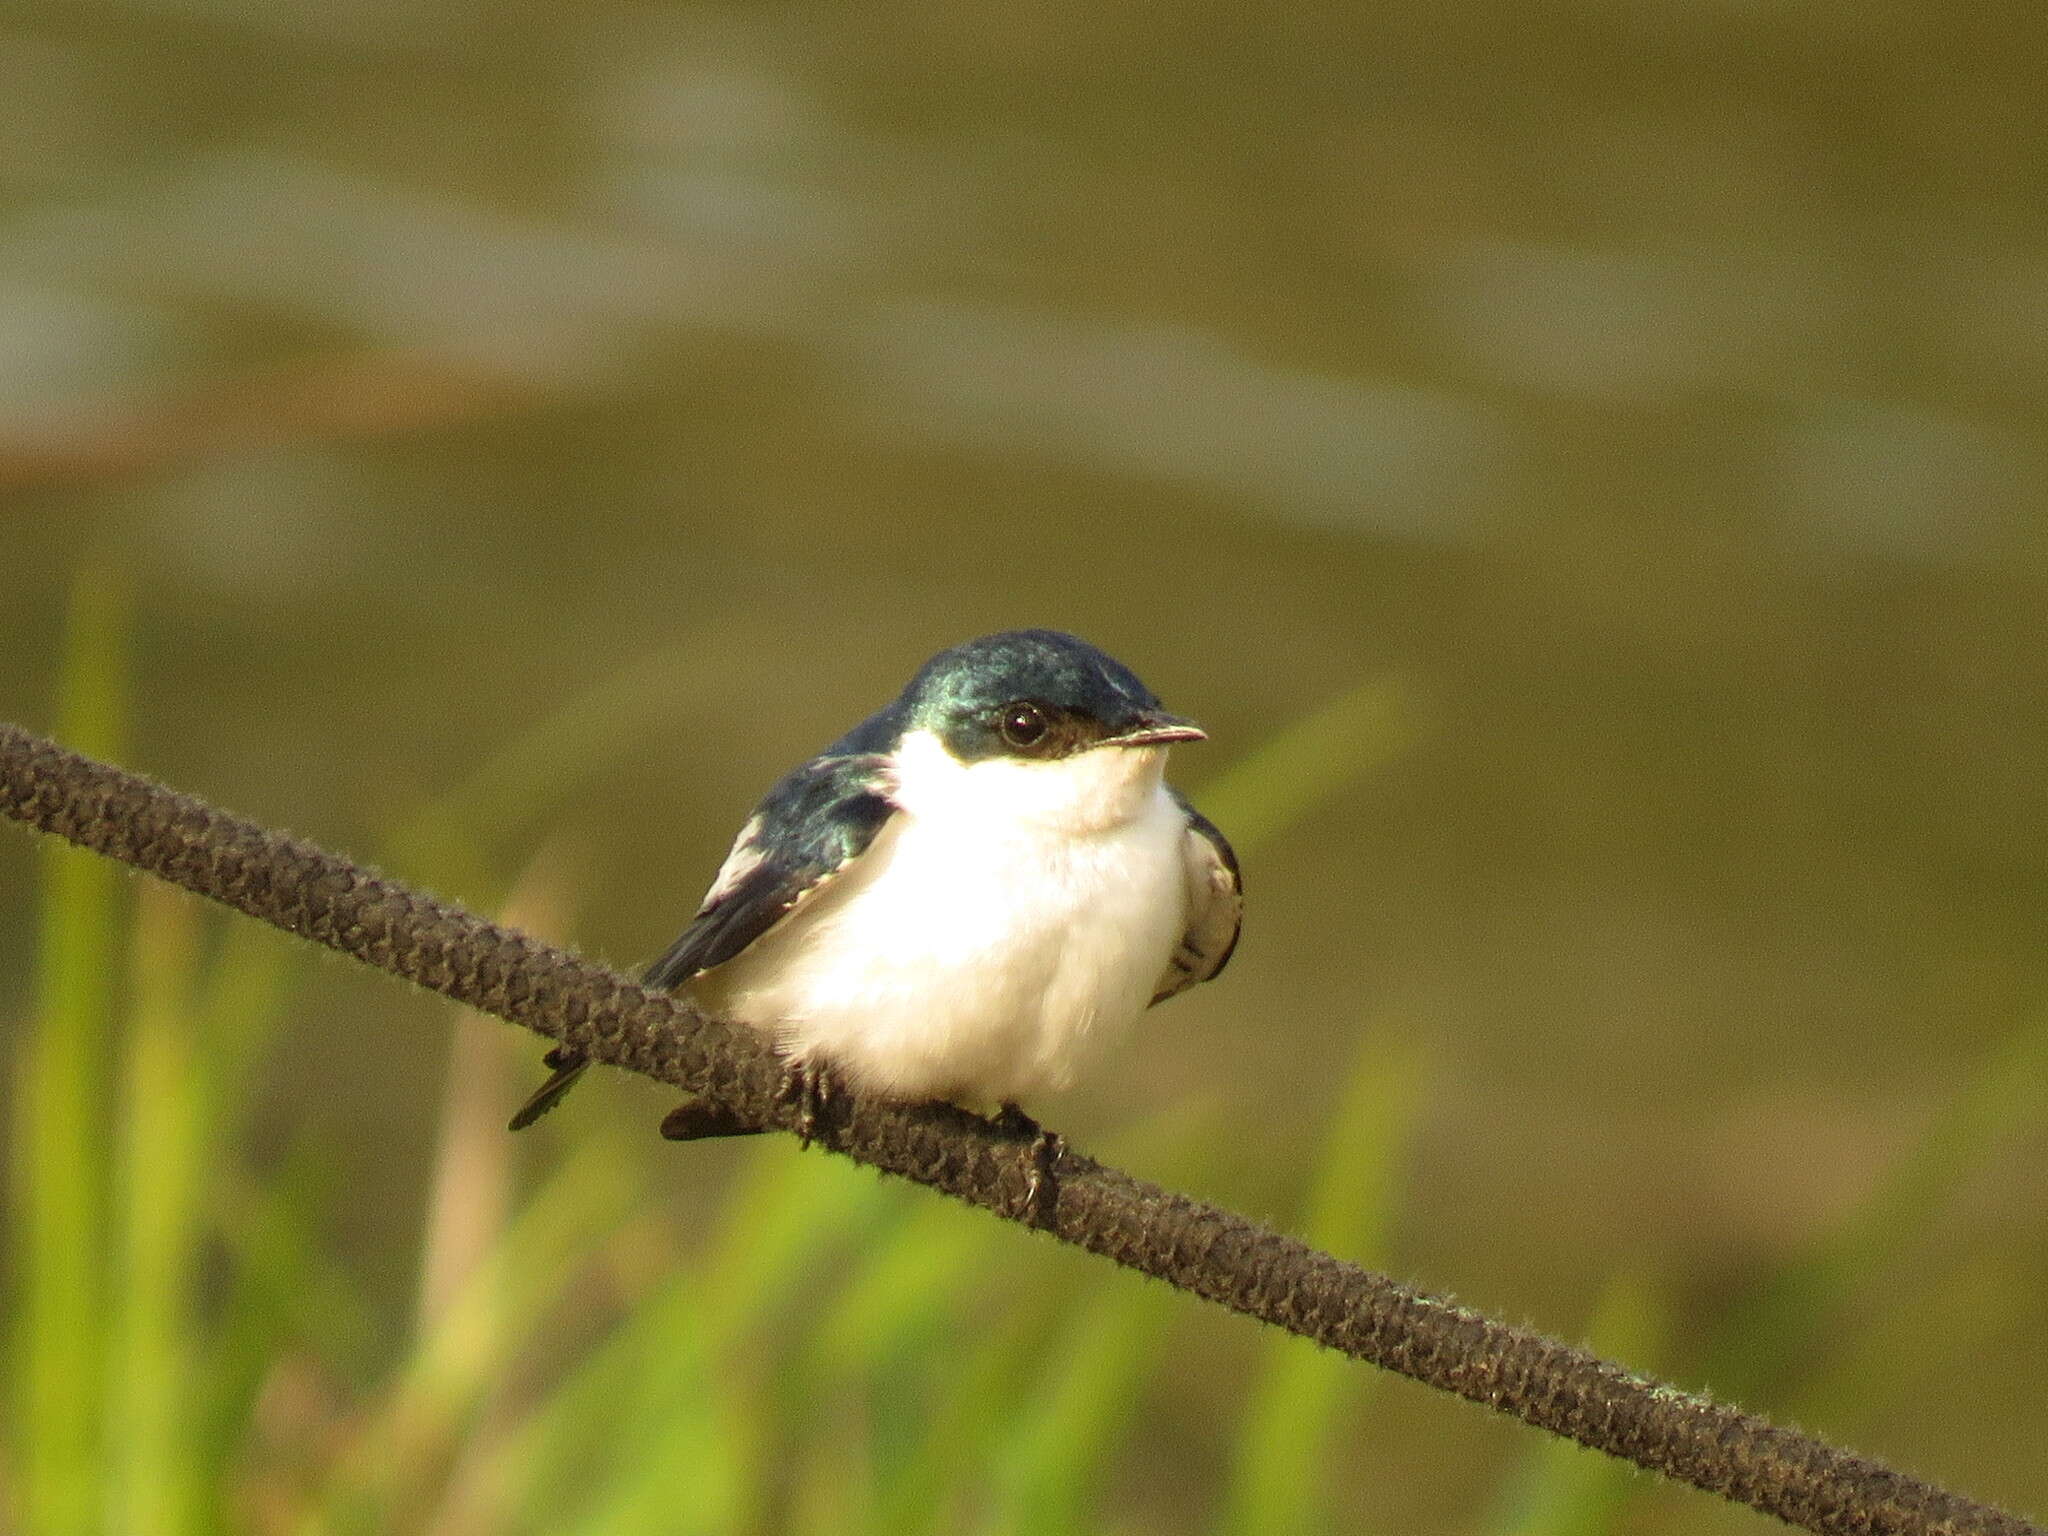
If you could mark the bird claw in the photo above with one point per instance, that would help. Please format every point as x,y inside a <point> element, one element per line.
<point>808,1085</point>
<point>1041,1164</point>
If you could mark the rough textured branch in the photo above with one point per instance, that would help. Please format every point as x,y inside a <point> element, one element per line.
<point>1196,1247</point>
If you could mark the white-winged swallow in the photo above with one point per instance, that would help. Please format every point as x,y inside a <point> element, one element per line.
<point>965,895</point>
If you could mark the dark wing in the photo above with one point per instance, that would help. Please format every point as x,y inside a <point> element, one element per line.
<point>812,824</point>
<point>1215,906</point>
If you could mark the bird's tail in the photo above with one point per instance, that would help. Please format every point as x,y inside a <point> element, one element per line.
<point>568,1066</point>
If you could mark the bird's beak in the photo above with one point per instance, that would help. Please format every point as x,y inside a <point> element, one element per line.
<point>1156,728</point>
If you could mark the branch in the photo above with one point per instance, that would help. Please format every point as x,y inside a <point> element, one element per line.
<point>1199,1248</point>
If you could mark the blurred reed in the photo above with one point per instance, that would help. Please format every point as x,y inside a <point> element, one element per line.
<point>66,1265</point>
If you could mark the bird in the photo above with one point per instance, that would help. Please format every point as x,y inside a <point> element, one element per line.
<point>965,896</point>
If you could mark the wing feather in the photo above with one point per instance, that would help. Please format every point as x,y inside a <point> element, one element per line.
<point>1215,891</point>
<point>811,825</point>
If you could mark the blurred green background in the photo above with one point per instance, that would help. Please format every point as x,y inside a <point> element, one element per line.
<point>1583,463</point>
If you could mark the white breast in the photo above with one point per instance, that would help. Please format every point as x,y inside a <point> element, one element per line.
<point>1005,919</point>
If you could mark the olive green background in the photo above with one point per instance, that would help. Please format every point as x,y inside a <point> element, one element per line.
<point>1646,395</point>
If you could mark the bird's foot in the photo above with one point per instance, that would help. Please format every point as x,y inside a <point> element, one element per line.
<point>1041,1164</point>
<point>808,1085</point>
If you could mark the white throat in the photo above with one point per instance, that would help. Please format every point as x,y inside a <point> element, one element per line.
<point>1091,791</point>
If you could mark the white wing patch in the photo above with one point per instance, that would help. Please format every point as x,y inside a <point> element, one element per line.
<point>741,862</point>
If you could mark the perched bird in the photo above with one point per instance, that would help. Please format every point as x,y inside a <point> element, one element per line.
<point>968,892</point>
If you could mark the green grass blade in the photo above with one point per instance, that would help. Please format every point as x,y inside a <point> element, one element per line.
<point>904,1290</point>
<point>448,844</point>
<point>1279,1470</point>
<point>904,1449</point>
<point>1285,779</point>
<point>1766,1337</point>
<point>239,1006</point>
<point>1065,1432</point>
<point>885,1355</point>
<point>578,1446</point>
<point>963,1410</point>
<point>388,1468</point>
<point>234,1008</point>
<point>695,1457</point>
<point>287,1312</point>
<point>61,1164</point>
<point>562,1454</point>
<point>892,1349</point>
<point>1563,1489</point>
<point>1958,1311</point>
<point>150,1465</point>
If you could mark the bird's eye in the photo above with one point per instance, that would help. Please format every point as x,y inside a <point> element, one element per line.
<point>1023,724</point>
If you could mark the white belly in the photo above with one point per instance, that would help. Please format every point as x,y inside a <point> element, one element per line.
<point>969,958</point>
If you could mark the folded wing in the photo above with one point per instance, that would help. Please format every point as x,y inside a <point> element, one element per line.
<point>816,821</point>
<point>1215,892</point>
